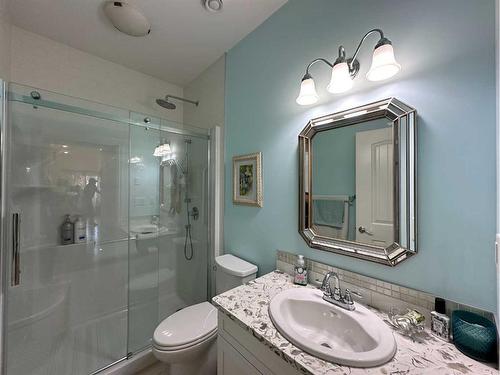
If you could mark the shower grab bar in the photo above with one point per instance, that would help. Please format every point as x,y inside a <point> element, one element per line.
<point>16,246</point>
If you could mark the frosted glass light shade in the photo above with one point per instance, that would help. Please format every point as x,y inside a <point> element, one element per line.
<point>384,64</point>
<point>162,150</point>
<point>341,79</point>
<point>307,93</point>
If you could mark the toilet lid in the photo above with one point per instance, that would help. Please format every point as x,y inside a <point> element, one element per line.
<point>189,325</point>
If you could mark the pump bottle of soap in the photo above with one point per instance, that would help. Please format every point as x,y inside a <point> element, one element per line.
<point>300,274</point>
<point>80,230</point>
<point>67,231</point>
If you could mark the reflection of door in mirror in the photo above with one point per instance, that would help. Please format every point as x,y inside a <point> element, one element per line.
<point>374,187</point>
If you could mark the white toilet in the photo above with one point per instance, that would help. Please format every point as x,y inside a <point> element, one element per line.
<point>186,339</point>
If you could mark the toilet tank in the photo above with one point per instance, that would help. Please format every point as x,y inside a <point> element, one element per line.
<point>232,272</point>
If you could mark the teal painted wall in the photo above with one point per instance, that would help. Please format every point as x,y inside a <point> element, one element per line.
<point>446,49</point>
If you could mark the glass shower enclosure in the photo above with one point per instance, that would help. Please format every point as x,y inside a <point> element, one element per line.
<point>136,189</point>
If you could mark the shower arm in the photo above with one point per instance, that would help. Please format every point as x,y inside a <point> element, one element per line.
<point>182,99</point>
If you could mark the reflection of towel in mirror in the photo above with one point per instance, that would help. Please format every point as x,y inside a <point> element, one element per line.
<point>328,212</point>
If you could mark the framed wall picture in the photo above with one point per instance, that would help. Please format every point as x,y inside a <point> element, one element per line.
<point>247,179</point>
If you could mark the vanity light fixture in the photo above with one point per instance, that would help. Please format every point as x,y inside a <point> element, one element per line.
<point>341,80</point>
<point>135,160</point>
<point>344,70</point>
<point>308,93</point>
<point>162,150</point>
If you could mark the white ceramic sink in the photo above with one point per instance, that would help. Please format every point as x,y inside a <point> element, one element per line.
<point>356,338</point>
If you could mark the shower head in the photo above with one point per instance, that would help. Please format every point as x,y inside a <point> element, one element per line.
<point>165,103</point>
<point>176,163</point>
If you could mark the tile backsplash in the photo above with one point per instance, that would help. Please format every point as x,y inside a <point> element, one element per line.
<point>376,293</point>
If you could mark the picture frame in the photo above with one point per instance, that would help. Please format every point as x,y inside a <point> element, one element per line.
<point>247,180</point>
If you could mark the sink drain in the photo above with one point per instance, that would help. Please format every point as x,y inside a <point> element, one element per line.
<point>326,345</point>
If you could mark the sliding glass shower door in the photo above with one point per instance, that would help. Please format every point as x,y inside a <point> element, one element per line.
<point>168,224</point>
<point>66,303</point>
<point>103,237</point>
<point>144,231</point>
<point>183,256</point>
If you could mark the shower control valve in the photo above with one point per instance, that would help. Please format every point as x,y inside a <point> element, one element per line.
<point>195,213</point>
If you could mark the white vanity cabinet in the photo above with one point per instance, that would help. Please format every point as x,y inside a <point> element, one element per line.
<point>231,361</point>
<point>240,353</point>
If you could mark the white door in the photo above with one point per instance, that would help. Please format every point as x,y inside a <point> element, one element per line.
<point>374,187</point>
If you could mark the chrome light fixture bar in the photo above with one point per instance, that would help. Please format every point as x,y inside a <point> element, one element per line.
<point>344,70</point>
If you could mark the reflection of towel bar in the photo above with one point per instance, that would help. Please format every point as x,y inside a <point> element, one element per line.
<point>346,198</point>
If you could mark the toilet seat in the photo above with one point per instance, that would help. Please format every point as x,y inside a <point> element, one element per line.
<point>186,328</point>
<point>187,347</point>
<point>201,355</point>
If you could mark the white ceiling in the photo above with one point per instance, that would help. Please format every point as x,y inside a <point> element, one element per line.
<point>185,39</point>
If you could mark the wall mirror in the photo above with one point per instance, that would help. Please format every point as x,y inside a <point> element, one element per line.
<point>357,175</point>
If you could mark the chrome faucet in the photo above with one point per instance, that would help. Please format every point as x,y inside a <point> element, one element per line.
<point>335,296</point>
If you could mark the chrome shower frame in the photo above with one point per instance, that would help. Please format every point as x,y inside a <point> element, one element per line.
<point>5,223</point>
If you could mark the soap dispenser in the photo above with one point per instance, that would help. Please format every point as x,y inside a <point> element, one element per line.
<point>300,274</point>
<point>80,230</point>
<point>67,231</point>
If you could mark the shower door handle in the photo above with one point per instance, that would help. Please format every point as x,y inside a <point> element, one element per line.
<point>15,278</point>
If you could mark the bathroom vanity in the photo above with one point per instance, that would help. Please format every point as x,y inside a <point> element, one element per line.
<point>249,343</point>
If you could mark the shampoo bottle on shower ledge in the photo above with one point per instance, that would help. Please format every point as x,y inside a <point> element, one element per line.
<point>80,230</point>
<point>67,231</point>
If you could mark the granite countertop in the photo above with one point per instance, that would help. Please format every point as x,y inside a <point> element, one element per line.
<point>248,304</point>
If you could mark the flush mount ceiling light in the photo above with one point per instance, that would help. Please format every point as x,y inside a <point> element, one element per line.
<point>126,18</point>
<point>213,5</point>
<point>344,70</point>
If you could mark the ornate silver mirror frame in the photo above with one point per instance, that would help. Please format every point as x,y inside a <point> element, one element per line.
<point>404,123</point>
